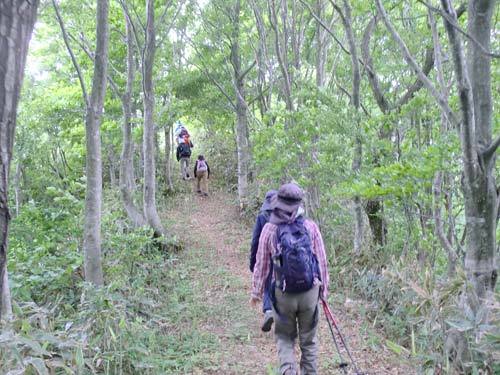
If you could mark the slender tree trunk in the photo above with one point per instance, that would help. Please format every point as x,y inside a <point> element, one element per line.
<point>127,186</point>
<point>281,46</point>
<point>150,211</point>
<point>242,145</point>
<point>17,19</point>
<point>93,194</point>
<point>313,192</point>
<point>112,166</point>
<point>345,15</point>
<point>168,157</point>
<point>438,178</point>
<point>262,59</point>
<point>473,79</point>
<point>17,186</point>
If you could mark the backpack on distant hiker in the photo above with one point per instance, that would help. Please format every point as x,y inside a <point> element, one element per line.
<point>201,166</point>
<point>295,265</point>
<point>184,150</point>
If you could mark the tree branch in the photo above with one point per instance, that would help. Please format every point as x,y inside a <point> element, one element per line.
<point>459,29</point>
<point>372,76</point>
<point>467,128</point>
<point>176,14</point>
<point>490,151</point>
<point>204,69</point>
<point>84,46</point>
<point>324,26</point>
<point>242,75</point>
<point>413,64</point>
<point>134,29</point>
<point>417,85</point>
<point>70,51</point>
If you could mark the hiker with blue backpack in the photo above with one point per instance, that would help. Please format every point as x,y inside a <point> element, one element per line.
<point>291,249</point>
<point>262,219</point>
<point>202,174</point>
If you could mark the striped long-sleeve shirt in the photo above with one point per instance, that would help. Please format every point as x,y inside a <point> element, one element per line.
<point>267,248</point>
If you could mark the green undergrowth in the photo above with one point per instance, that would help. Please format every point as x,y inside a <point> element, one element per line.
<point>150,318</point>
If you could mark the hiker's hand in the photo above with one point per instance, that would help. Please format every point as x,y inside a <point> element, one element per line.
<point>254,301</point>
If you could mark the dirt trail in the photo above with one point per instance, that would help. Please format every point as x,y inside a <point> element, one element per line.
<point>214,225</point>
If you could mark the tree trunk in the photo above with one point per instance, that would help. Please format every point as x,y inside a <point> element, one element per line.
<point>473,78</point>
<point>17,19</point>
<point>242,145</point>
<point>93,194</point>
<point>112,166</point>
<point>17,186</point>
<point>168,157</point>
<point>481,198</point>
<point>127,186</point>
<point>438,177</point>
<point>150,211</point>
<point>6,298</point>
<point>345,15</point>
<point>312,191</point>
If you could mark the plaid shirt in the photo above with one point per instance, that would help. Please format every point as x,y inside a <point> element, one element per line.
<point>267,248</point>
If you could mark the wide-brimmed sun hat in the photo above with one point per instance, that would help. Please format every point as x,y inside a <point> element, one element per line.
<point>266,206</point>
<point>289,198</point>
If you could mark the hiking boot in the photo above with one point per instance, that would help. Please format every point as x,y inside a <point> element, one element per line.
<point>205,194</point>
<point>268,321</point>
<point>198,191</point>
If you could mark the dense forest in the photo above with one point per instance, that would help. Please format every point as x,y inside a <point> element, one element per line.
<point>383,111</point>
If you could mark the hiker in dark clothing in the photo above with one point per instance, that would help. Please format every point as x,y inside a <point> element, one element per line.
<point>183,154</point>
<point>262,219</point>
<point>202,174</point>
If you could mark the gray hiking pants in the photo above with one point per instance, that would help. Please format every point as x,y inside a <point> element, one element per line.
<point>184,167</point>
<point>297,311</point>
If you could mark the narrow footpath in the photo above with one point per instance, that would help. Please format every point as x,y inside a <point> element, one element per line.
<point>216,250</point>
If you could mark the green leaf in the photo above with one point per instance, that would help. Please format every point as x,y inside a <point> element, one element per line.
<point>396,348</point>
<point>38,364</point>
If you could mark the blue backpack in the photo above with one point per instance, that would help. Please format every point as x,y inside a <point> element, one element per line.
<point>295,265</point>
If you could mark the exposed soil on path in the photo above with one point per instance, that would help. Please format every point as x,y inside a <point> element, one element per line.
<point>214,225</point>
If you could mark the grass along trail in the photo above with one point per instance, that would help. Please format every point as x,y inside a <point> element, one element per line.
<point>216,256</point>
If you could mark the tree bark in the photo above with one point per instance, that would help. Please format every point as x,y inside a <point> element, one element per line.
<point>438,177</point>
<point>17,19</point>
<point>312,190</point>
<point>112,166</point>
<point>242,144</point>
<point>127,155</point>
<point>345,15</point>
<point>168,157</point>
<point>479,187</point>
<point>473,79</point>
<point>150,211</point>
<point>17,186</point>
<point>93,193</point>
<point>281,45</point>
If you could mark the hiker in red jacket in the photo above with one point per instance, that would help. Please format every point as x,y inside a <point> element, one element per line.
<point>291,247</point>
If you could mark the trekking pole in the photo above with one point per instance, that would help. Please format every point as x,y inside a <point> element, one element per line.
<point>332,321</point>
<point>342,364</point>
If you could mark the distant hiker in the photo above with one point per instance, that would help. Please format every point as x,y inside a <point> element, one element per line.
<point>262,219</point>
<point>291,247</point>
<point>181,133</point>
<point>183,136</point>
<point>183,155</point>
<point>202,174</point>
